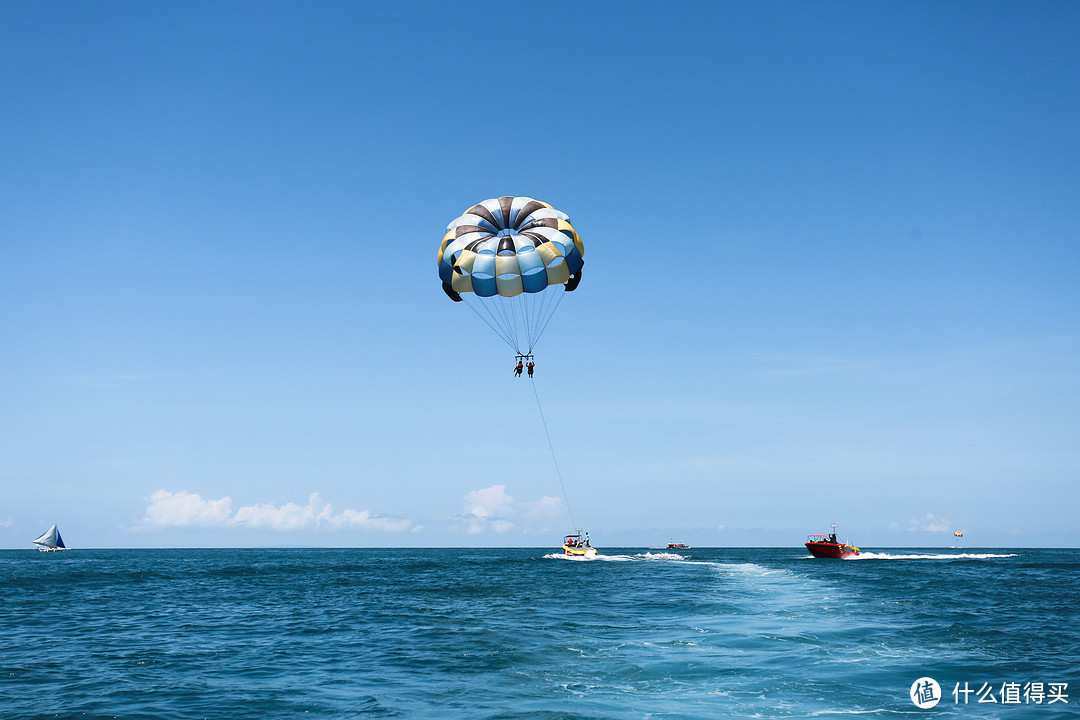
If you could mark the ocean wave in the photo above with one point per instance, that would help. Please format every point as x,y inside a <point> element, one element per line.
<point>442,634</point>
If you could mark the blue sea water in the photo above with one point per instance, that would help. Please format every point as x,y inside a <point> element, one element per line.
<point>520,633</point>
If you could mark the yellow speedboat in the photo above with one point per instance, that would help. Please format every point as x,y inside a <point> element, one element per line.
<point>578,547</point>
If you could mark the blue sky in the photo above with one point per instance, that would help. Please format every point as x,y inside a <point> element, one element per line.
<point>831,262</point>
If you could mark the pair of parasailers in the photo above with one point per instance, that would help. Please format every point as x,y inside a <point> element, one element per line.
<point>518,368</point>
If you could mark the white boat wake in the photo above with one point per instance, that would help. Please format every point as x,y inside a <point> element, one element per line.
<point>616,558</point>
<point>934,556</point>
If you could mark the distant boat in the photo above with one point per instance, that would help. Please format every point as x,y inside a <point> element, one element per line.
<point>578,548</point>
<point>677,546</point>
<point>50,541</point>
<point>828,546</point>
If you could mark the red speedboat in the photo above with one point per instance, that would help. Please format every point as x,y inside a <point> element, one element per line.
<point>828,546</point>
<point>677,546</point>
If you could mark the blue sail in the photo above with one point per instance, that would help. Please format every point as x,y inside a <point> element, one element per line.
<point>50,540</point>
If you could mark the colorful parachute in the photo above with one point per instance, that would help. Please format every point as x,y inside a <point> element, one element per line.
<point>958,533</point>
<point>516,256</point>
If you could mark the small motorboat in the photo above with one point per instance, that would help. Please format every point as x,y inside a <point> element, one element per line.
<point>577,547</point>
<point>677,546</point>
<point>828,546</point>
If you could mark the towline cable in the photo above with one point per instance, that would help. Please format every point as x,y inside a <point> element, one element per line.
<point>566,499</point>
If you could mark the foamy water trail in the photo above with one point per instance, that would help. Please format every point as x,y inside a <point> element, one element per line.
<point>933,556</point>
<point>583,558</point>
<point>660,556</point>
<point>615,558</point>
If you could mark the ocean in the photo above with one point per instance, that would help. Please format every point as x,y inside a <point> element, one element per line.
<point>524,633</point>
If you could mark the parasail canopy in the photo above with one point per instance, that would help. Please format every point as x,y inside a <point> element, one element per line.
<point>511,259</point>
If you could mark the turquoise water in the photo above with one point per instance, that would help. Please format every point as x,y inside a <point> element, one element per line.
<point>517,633</point>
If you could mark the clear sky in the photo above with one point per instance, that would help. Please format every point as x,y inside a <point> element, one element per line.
<point>832,272</point>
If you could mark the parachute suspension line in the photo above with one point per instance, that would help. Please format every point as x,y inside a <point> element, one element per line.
<point>519,321</point>
<point>536,313</point>
<point>491,321</point>
<point>523,315</point>
<point>524,308</point>
<point>546,316</point>
<point>555,460</point>
<point>506,312</point>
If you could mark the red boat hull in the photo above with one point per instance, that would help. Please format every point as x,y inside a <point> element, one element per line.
<point>831,550</point>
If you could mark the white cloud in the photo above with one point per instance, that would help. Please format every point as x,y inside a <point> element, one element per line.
<point>931,523</point>
<point>489,502</point>
<point>365,520</point>
<point>494,509</point>
<point>289,516</point>
<point>184,509</point>
<point>545,507</point>
<point>488,508</point>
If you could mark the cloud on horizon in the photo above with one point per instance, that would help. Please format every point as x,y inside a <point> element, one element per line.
<point>493,508</point>
<point>931,523</point>
<point>488,508</point>
<point>185,509</point>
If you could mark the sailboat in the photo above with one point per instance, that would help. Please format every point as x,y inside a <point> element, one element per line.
<point>50,541</point>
